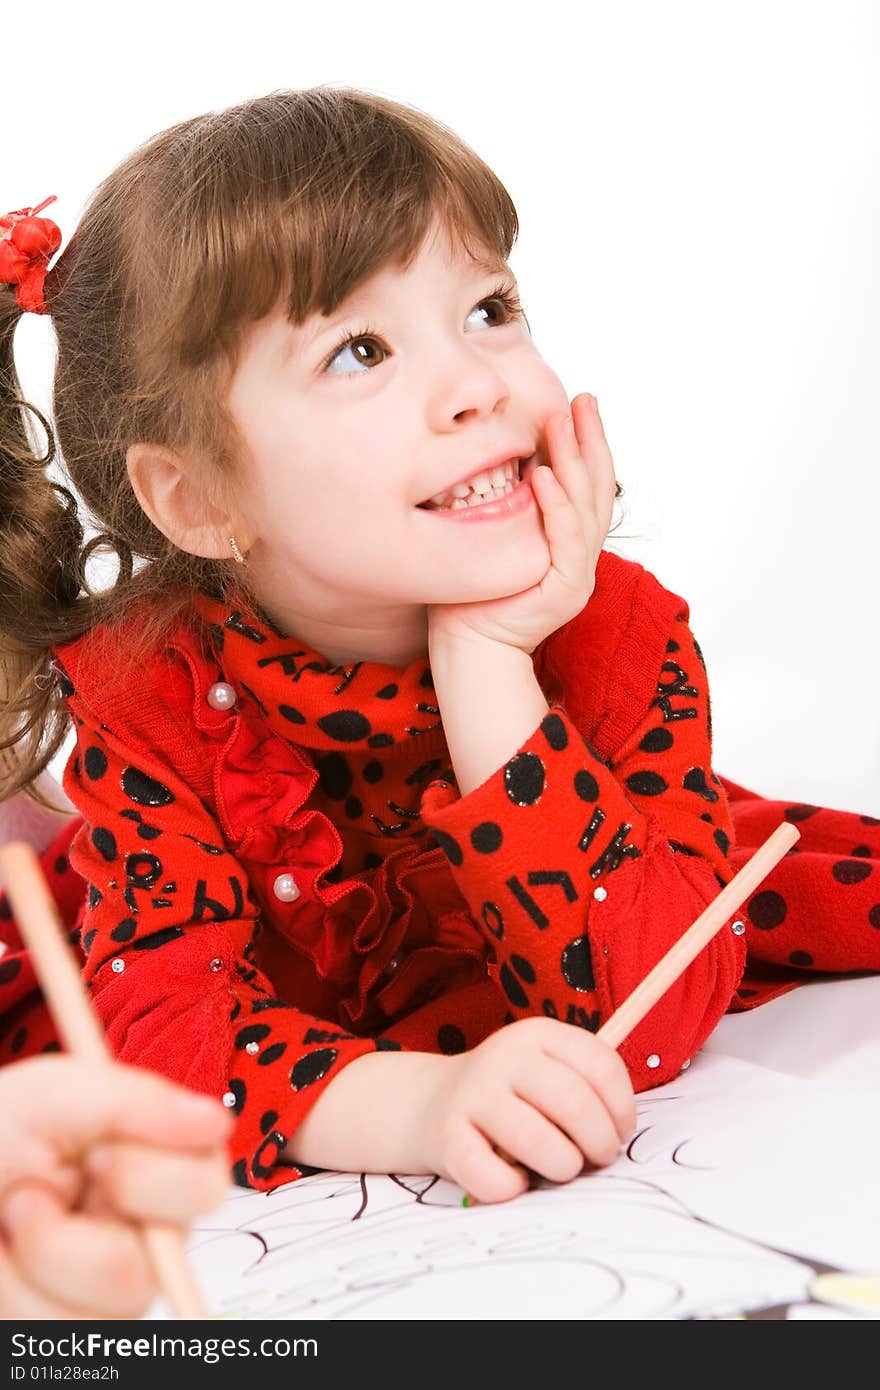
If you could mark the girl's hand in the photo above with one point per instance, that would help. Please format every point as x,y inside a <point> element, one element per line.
<point>576,497</point>
<point>548,1094</point>
<point>86,1149</point>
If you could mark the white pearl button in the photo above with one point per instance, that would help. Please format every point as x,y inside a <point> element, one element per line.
<point>221,696</point>
<point>285,888</point>
<point>652,1061</point>
<point>228,1099</point>
<point>600,894</point>
<point>252,1048</point>
<point>738,928</point>
<point>117,966</point>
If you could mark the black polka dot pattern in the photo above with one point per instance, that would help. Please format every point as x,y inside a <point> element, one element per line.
<point>646,783</point>
<point>450,1039</point>
<point>95,762</point>
<point>767,910</point>
<point>105,842</point>
<point>586,786</point>
<point>555,862</point>
<point>8,970</point>
<point>695,781</point>
<point>577,965</point>
<point>254,1033</point>
<point>524,778</point>
<point>512,988</point>
<point>849,871</point>
<point>146,791</point>
<point>554,731</point>
<point>312,1067</point>
<point>345,726</point>
<point>449,846</point>
<point>238,1090</point>
<point>801,958</point>
<point>487,837</point>
<point>656,741</point>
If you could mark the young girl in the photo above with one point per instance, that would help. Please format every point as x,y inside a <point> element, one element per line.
<point>382,785</point>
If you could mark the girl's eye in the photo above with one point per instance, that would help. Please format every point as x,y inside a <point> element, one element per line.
<point>511,311</point>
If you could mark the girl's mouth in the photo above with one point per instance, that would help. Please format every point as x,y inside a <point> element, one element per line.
<point>509,503</point>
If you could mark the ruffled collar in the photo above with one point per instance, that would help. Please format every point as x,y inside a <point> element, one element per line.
<point>308,700</point>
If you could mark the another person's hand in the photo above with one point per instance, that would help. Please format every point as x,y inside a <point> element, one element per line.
<point>85,1150</point>
<point>547,1094</point>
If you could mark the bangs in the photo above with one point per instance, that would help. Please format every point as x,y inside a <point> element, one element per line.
<point>280,207</point>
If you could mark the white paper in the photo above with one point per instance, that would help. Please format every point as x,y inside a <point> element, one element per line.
<point>742,1191</point>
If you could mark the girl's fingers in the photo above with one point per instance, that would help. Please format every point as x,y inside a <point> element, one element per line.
<point>528,1136</point>
<point>563,526</point>
<point>601,1066</point>
<point>564,453</point>
<point>476,1165</point>
<point>75,1260</point>
<point>145,1183</point>
<point>602,466</point>
<point>570,1103</point>
<point>582,463</point>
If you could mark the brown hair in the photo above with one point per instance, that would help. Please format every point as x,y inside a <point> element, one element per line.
<point>198,232</point>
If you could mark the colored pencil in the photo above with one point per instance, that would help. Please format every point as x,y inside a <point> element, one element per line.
<point>667,970</point>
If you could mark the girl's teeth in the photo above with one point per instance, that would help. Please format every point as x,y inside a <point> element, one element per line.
<point>476,499</point>
<point>484,487</point>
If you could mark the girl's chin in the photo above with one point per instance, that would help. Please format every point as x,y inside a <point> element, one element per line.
<point>500,581</point>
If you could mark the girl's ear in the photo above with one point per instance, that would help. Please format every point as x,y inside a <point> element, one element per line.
<point>168,490</point>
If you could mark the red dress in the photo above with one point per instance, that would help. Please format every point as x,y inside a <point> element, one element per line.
<point>261,893</point>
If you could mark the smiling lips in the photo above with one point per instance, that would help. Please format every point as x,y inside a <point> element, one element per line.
<point>491,504</point>
<point>487,486</point>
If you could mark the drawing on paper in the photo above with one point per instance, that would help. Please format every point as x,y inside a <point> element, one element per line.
<point>676,1228</point>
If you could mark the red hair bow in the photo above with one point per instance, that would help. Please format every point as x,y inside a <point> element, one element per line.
<point>26,244</point>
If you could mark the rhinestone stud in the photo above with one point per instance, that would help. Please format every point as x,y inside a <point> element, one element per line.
<point>221,696</point>
<point>738,928</point>
<point>252,1048</point>
<point>285,888</point>
<point>600,894</point>
<point>652,1061</point>
<point>686,1063</point>
<point>216,964</point>
<point>117,966</point>
<point>228,1099</point>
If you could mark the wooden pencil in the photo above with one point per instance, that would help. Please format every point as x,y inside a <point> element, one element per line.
<point>667,970</point>
<point>699,934</point>
<point>80,1029</point>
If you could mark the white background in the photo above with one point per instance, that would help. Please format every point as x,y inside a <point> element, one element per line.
<point>697,186</point>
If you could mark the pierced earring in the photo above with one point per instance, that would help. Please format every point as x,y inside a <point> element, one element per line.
<point>235,550</point>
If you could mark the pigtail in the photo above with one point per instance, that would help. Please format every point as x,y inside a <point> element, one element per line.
<point>40,547</point>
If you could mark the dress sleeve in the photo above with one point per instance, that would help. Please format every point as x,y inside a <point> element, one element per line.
<point>26,1025</point>
<point>170,932</point>
<point>582,873</point>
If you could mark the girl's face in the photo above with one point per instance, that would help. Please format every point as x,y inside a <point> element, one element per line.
<point>344,439</point>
